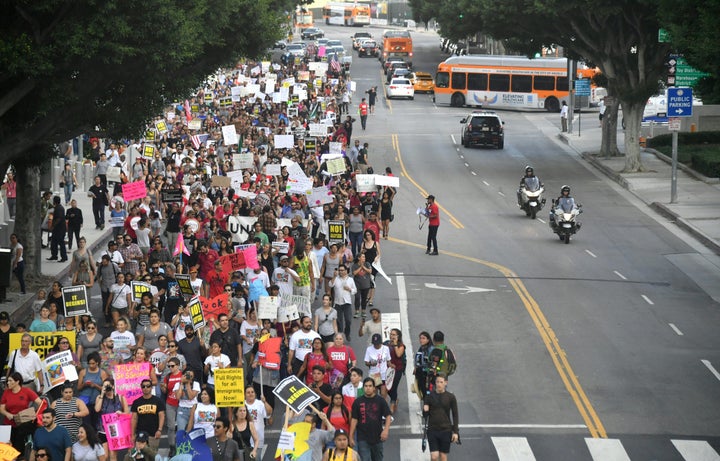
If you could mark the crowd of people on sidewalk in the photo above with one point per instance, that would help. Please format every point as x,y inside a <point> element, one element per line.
<point>189,218</point>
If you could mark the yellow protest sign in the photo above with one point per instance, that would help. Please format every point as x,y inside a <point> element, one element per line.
<point>42,342</point>
<point>229,387</point>
<point>7,452</point>
<point>148,151</point>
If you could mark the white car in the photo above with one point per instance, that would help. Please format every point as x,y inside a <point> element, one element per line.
<point>296,49</point>
<point>400,88</point>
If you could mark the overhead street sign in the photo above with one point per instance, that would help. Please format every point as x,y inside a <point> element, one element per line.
<point>679,102</point>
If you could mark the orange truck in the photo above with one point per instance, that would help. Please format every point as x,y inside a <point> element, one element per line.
<point>397,43</point>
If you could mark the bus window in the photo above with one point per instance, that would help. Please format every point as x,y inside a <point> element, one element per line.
<point>499,82</point>
<point>477,82</point>
<point>458,81</point>
<point>544,83</point>
<point>562,84</point>
<point>442,79</point>
<point>521,84</point>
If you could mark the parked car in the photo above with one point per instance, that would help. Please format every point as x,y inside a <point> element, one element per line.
<point>422,82</point>
<point>312,33</point>
<point>400,88</point>
<point>368,47</point>
<point>483,127</point>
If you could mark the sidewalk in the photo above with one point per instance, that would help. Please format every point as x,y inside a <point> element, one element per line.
<point>697,209</point>
<point>19,305</point>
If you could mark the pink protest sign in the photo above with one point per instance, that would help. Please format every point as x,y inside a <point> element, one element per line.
<point>134,190</point>
<point>251,259</point>
<point>118,430</point>
<point>128,377</point>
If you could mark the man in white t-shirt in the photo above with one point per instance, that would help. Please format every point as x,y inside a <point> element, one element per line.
<point>26,362</point>
<point>377,358</point>
<point>285,277</point>
<point>300,344</point>
<point>186,392</point>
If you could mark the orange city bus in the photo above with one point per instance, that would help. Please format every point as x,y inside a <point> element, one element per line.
<point>347,14</point>
<point>503,82</point>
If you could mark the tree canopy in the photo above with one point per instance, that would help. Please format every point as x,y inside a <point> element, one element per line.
<point>69,67</point>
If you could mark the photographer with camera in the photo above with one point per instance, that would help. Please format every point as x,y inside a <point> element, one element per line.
<point>108,402</point>
<point>441,430</point>
<point>186,392</point>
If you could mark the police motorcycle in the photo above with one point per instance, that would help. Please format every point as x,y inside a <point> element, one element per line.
<point>563,216</point>
<point>530,195</point>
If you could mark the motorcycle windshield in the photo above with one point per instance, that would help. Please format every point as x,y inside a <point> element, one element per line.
<point>532,184</point>
<point>566,204</point>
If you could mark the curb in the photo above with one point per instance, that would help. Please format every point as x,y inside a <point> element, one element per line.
<point>610,173</point>
<point>682,223</point>
<point>22,313</point>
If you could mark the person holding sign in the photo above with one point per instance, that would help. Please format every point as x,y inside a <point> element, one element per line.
<point>14,400</point>
<point>215,360</point>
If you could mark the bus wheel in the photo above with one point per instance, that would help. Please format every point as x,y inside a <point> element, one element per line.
<point>552,104</point>
<point>457,100</point>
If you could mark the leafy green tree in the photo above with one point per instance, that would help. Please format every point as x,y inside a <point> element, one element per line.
<point>695,32</point>
<point>68,67</point>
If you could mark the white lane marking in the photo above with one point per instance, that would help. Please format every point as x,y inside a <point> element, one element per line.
<point>513,449</point>
<point>411,450</point>
<point>676,329</point>
<point>462,156</point>
<point>452,136</point>
<point>467,165</point>
<point>407,427</point>
<point>473,173</point>
<point>590,253</point>
<point>541,220</point>
<point>647,300</point>
<point>405,322</point>
<point>620,275</point>
<point>696,450</point>
<point>486,183</point>
<point>711,368</point>
<point>501,193</point>
<point>606,450</point>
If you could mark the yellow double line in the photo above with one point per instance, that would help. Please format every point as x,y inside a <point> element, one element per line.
<point>396,146</point>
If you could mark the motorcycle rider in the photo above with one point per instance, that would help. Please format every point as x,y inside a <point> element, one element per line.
<point>529,173</point>
<point>564,194</point>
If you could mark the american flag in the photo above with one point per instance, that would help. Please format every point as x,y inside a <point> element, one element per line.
<point>198,140</point>
<point>334,63</point>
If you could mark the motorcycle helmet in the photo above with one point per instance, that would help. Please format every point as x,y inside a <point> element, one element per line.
<point>565,188</point>
<point>529,170</point>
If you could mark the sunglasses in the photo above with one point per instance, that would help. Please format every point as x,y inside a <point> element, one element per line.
<point>41,455</point>
<point>145,386</point>
<point>64,342</point>
<point>172,345</point>
<point>172,365</point>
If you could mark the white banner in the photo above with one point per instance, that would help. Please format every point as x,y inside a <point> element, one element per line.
<point>243,160</point>
<point>392,181</point>
<point>284,141</point>
<point>365,182</point>
<point>230,136</point>
<point>240,227</point>
<point>273,169</point>
<point>320,196</point>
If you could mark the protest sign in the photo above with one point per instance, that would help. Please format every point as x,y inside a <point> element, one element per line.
<point>134,190</point>
<point>128,377</point>
<point>113,174</point>
<point>42,342</point>
<point>302,303</point>
<point>267,307</point>
<point>195,124</point>
<point>377,265</point>
<point>220,181</point>
<point>336,165</point>
<point>196,313</point>
<point>269,352</point>
<point>318,130</point>
<point>294,393</point>
<point>335,148</point>
<point>150,135</point>
<point>192,445</point>
<point>229,390</point>
<point>336,231</point>
<point>288,313</point>
<point>281,247</point>
<point>243,160</point>
<point>320,196</point>
<point>287,441</point>
<point>251,257</point>
<point>365,182</point>
<point>171,195</point>
<point>240,227</point>
<point>273,169</point>
<point>161,126</point>
<point>212,307</point>
<point>382,180</point>
<point>284,141</point>
<point>227,101</point>
<point>183,281</point>
<point>236,178</point>
<point>58,369</point>
<point>148,151</point>
<point>75,299</point>
<point>138,288</point>
<point>7,452</point>
<point>389,321</point>
<point>118,430</point>
<point>230,136</point>
<point>232,262</point>
<point>311,145</point>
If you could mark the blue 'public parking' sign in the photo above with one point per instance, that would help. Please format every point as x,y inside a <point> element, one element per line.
<point>679,102</point>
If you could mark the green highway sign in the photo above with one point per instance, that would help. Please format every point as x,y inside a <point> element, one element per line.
<point>680,73</point>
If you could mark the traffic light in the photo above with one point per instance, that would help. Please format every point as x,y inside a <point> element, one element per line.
<point>460,15</point>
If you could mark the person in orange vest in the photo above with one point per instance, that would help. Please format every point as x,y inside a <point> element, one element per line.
<point>363,111</point>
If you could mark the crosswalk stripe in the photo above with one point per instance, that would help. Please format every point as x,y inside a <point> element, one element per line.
<point>696,450</point>
<point>411,450</point>
<point>513,449</point>
<point>606,450</point>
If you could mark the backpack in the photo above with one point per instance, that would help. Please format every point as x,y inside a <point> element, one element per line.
<point>442,360</point>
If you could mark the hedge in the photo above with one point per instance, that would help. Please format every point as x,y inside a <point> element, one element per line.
<point>700,151</point>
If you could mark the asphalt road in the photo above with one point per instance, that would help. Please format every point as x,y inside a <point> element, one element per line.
<point>596,346</point>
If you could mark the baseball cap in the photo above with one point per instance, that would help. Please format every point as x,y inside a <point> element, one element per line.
<point>376,338</point>
<point>283,257</point>
<point>430,197</point>
<point>375,309</point>
<point>340,432</point>
<point>142,436</point>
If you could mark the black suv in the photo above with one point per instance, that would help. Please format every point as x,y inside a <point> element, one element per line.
<point>483,127</point>
<point>312,33</point>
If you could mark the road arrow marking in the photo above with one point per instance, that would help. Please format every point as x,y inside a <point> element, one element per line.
<point>467,289</point>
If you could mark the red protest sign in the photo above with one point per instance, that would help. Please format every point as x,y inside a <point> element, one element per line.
<point>215,306</point>
<point>134,190</point>
<point>233,262</point>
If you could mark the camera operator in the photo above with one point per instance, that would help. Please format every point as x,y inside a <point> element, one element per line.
<point>186,391</point>
<point>108,402</point>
